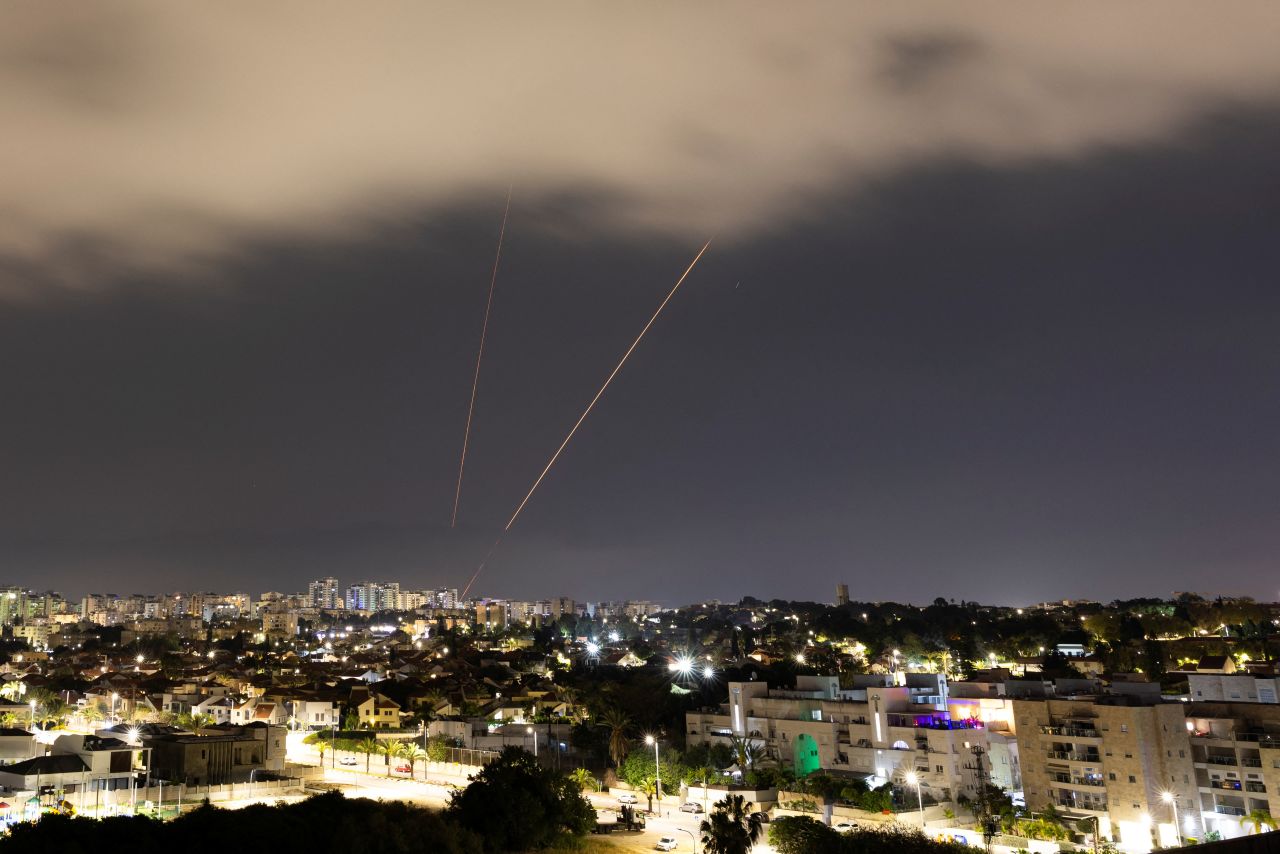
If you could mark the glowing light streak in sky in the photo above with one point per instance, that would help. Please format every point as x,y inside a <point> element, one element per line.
<point>587,411</point>
<point>475,382</point>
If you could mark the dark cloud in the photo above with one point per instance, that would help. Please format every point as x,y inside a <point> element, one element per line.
<point>145,138</point>
<point>1010,381</point>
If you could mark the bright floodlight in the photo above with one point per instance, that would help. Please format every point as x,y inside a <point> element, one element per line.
<point>912,779</point>
<point>593,648</point>
<point>648,739</point>
<point>708,672</point>
<point>800,658</point>
<point>684,665</point>
<point>1167,797</point>
<point>613,636</point>
<point>133,733</point>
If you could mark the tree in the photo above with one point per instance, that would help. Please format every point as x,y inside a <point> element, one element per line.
<point>390,749</point>
<point>516,805</point>
<point>1257,820</point>
<point>414,754</point>
<point>321,746</point>
<point>616,723</point>
<point>584,779</point>
<point>437,750</point>
<point>704,776</point>
<point>800,834</point>
<point>746,752</point>
<point>732,827</point>
<point>367,746</point>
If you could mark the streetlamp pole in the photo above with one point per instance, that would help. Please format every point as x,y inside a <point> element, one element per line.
<point>657,771</point>
<point>913,779</point>
<point>533,733</point>
<point>1170,799</point>
<point>691,836</point>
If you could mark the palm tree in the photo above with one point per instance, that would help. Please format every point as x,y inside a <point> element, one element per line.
<point>570,696</point>
<point>617,723</point>
<point>367,746</point>
<point>390,749</point>
<point>54,711</point>
<point>746,752</point>
<point>13,690</point>
<point>414,754</point>
<point>703,775</point>
<point>582,777</point>
<point>1257,820</point>
<point>733,827</point>
<point>321,747</point>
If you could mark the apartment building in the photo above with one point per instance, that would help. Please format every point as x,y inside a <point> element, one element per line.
<point>1235,748</point>
<point>323,593</point>
<point>880,731</point>
<point>1114,758</point>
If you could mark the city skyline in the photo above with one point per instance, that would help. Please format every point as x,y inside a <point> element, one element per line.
<point>987,313</point>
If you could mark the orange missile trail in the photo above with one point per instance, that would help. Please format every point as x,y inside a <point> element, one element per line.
<point>475,381</point>
<point>591,405</point>
<point>585,413</point>
<point>480,568</point>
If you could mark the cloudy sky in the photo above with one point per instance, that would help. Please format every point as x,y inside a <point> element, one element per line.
<point>990,310</point>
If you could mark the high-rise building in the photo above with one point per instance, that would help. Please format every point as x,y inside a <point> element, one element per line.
<point>842,594</point>
<point>13,605</point>
<point>374,596</point>
<point>323,593</point>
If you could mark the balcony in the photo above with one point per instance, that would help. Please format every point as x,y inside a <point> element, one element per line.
<point>933,720</point>
<point>1255,787</point>
<point>1070,731</point>
<point>1229,785</point>
<point>1078,781</point>
<point>1221,760</point>
<point>1075,757</point>
<point>1222,809</point>
<point>1251,762</point>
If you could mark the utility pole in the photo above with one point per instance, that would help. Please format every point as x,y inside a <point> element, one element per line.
<point>986,821</point>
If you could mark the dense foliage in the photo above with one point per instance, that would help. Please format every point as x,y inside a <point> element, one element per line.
<point>804,835</point>
<point>513,804</point>
<point>319,825</point>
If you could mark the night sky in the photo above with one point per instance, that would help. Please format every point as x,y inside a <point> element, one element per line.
<point>991,310</point>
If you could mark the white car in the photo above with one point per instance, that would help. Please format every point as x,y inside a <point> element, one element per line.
<point>348,761</point>
<point>845,826</point>
<point>628,798</point>
<point>667,843</point>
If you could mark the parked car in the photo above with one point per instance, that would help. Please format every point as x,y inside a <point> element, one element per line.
<point>404,769</point>
<point>628,798</point>
<point>348,760</point>
<point>691,806</point>
<point>845,826</point>
<point>762,816</point>
<point>667,843</point>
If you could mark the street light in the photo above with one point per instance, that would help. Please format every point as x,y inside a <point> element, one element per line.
<point>657,771</point>
<point>33,715</point>
<point>913,779</point>
<point>529,730</point>
<point>1168,798</point>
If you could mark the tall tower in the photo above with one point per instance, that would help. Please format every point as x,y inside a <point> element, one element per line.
<point>842,594</point>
